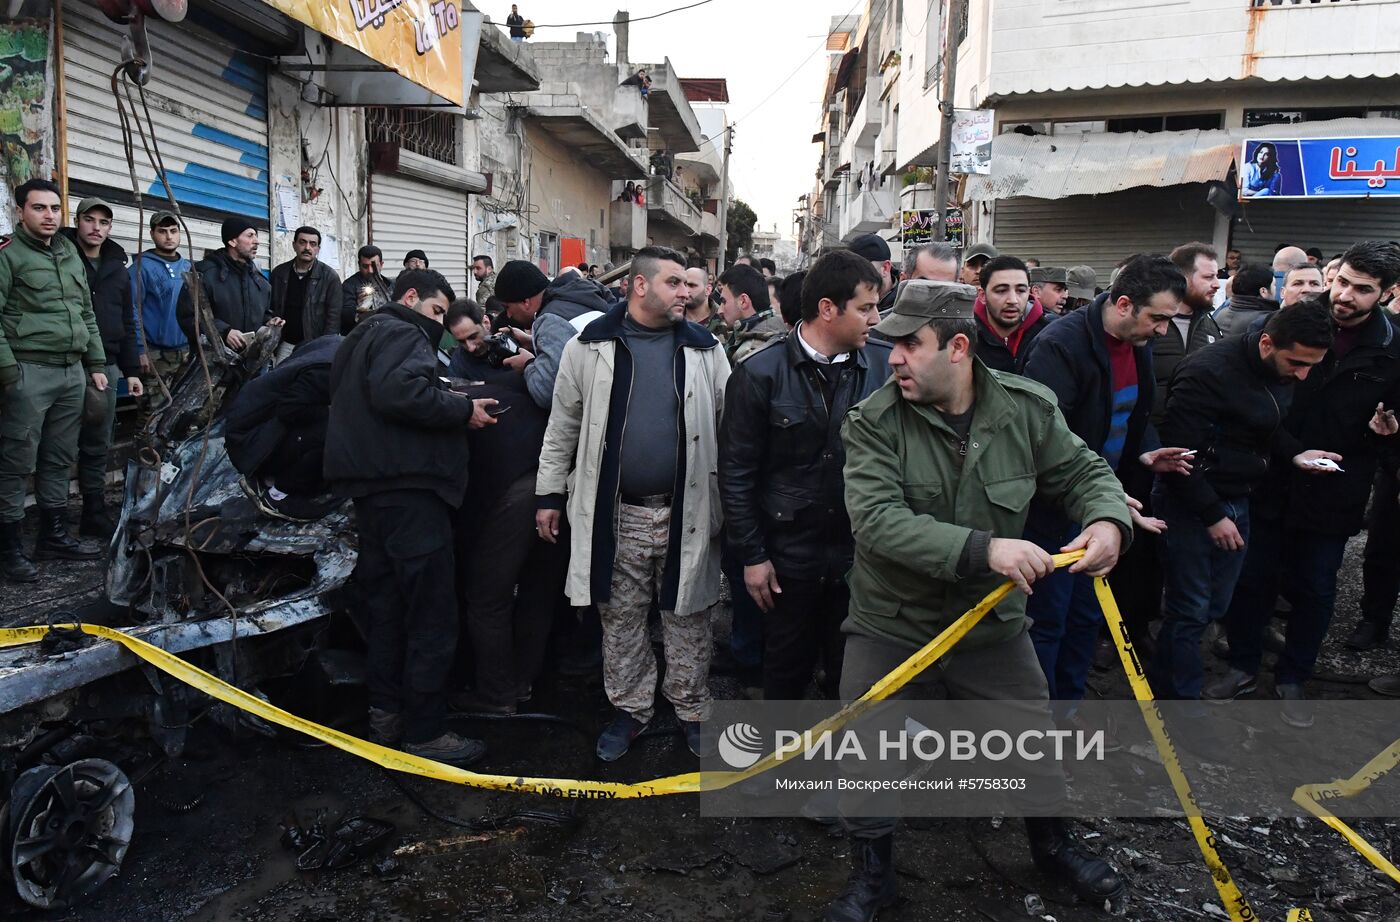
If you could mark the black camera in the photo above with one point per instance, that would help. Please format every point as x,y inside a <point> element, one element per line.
<point>498,347</point>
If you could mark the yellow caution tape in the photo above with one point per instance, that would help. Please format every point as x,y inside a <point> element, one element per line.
<point>1311,797</point>
<point>1236,904</point>
<point>688,783</point>
<point>693,782</point>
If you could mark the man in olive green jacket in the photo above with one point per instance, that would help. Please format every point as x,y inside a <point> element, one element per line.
<point>48,334</point>
<point>941,465</point>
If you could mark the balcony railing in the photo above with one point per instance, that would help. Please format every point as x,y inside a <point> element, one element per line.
<point>667,198</point>
<point>1299,2</point>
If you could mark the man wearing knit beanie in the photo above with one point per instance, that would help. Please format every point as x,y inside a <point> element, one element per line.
<point>520,288</point>
<point>238,295</point>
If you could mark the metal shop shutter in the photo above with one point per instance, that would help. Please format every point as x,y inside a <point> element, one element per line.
<point>1331,225</point>
<point>1099,230</point>
<point>208,103</point>
<point>409,214</point>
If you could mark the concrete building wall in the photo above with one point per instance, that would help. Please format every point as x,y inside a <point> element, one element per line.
<point>335,141</point>
<point>566,197</point>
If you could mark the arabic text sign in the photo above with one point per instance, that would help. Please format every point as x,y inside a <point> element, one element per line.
<point>420,39</point>
<point>917,227</point>
<point>972,141</point>
<point>1320,168</point>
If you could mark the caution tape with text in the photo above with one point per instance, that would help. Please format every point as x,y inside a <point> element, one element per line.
<point>1236,903</point>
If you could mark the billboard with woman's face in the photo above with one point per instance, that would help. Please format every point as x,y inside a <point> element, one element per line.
<point>1320,168</point>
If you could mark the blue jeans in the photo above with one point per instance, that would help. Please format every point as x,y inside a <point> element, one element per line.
<point>1304,565</point>
<point>1065,620</point>
<point>1199,581</point>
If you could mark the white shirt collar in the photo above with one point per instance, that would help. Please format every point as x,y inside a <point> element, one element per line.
<point>814,354</point>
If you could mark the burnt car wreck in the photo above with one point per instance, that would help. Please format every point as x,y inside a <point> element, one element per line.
<point>198,567</point>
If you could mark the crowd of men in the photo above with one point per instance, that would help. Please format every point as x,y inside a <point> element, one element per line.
<point>863,449</point>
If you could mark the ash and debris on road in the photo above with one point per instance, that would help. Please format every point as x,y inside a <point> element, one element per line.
<point>211,829</point>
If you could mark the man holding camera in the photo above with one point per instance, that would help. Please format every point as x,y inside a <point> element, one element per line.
<point>564,307</point>
<point>496,538</point>
<point>396,444</point>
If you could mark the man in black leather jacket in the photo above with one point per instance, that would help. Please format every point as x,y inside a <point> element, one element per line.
<point>780,469</point>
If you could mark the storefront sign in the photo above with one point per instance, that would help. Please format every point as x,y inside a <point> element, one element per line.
<point>420,39</point>
<point>1320,168</point>
<point>916,227</point>
<point>972,141</point>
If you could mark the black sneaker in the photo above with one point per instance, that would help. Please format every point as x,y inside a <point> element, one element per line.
<point>1296,712</point>
<point>450,749</point>
<point>385,727</point>
<point>617,738</point>
<point>698,738</point>
<point>1230,686</point>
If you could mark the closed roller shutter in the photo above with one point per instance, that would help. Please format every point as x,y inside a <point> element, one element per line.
<point>209,106</point>
<point>205,233</point>
<point>409,214</point>
<point>1331,225</point>
<point>1099,230</point>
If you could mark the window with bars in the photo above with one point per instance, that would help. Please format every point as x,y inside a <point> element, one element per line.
<point>423,131</point>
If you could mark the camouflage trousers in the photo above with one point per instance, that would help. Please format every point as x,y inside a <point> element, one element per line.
<point>629,665</point>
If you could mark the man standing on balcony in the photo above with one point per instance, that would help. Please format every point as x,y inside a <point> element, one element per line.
<point>874,248</point>
<point>516,22</point>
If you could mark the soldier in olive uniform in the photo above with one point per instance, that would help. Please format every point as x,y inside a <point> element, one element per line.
<point>941,465</point>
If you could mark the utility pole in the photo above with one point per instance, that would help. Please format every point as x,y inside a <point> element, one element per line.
<point>724,201</point>
<point>945,105</point>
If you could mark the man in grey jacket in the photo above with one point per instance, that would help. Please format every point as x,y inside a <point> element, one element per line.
<point>564,307</point>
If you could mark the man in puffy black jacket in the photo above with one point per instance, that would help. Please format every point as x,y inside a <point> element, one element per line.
<point>1227,404</point>
<point>110,284</point>
<point>781,462</point>
<point>1341,409</point>
<point>396,443</point>
<point>238,295</point>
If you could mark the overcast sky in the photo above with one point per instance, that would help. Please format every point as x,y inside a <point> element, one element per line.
<point>754,45</point>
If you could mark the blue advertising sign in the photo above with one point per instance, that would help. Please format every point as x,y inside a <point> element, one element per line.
<point>1320,168</point>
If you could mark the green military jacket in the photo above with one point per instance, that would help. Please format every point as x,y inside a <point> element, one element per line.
<point>45,307</point>
<point>912,509</point>
<point>744,340</point>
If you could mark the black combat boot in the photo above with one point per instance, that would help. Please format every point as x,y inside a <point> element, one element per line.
<point>1057,853</point>
<point>55,543</point>
<point>14,566</point>
<point>96,522</point>
<point>872,885</point>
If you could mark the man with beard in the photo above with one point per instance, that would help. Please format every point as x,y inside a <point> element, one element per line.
<point>1193,327</point>
<point>1226,405</point>
<point>157,276</point>
<point>631,449</point>
<point>1099,364</point>
<point>1008,318</point>
<point>1344,409</point>
<point>942,463</point>
<point>698,308</point>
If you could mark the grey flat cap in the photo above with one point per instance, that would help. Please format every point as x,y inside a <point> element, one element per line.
<point>1049,275</point>
<point>984,250</point>
<point>1082,281</point>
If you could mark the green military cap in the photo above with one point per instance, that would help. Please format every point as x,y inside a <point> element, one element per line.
<point>91,202</point>
<point>1049,275</point>
<point>1082,281</point>
<point>980,250</point>
<point>919,300</point>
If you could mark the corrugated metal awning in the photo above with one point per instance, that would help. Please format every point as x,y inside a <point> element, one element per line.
<point>1051,167</point>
